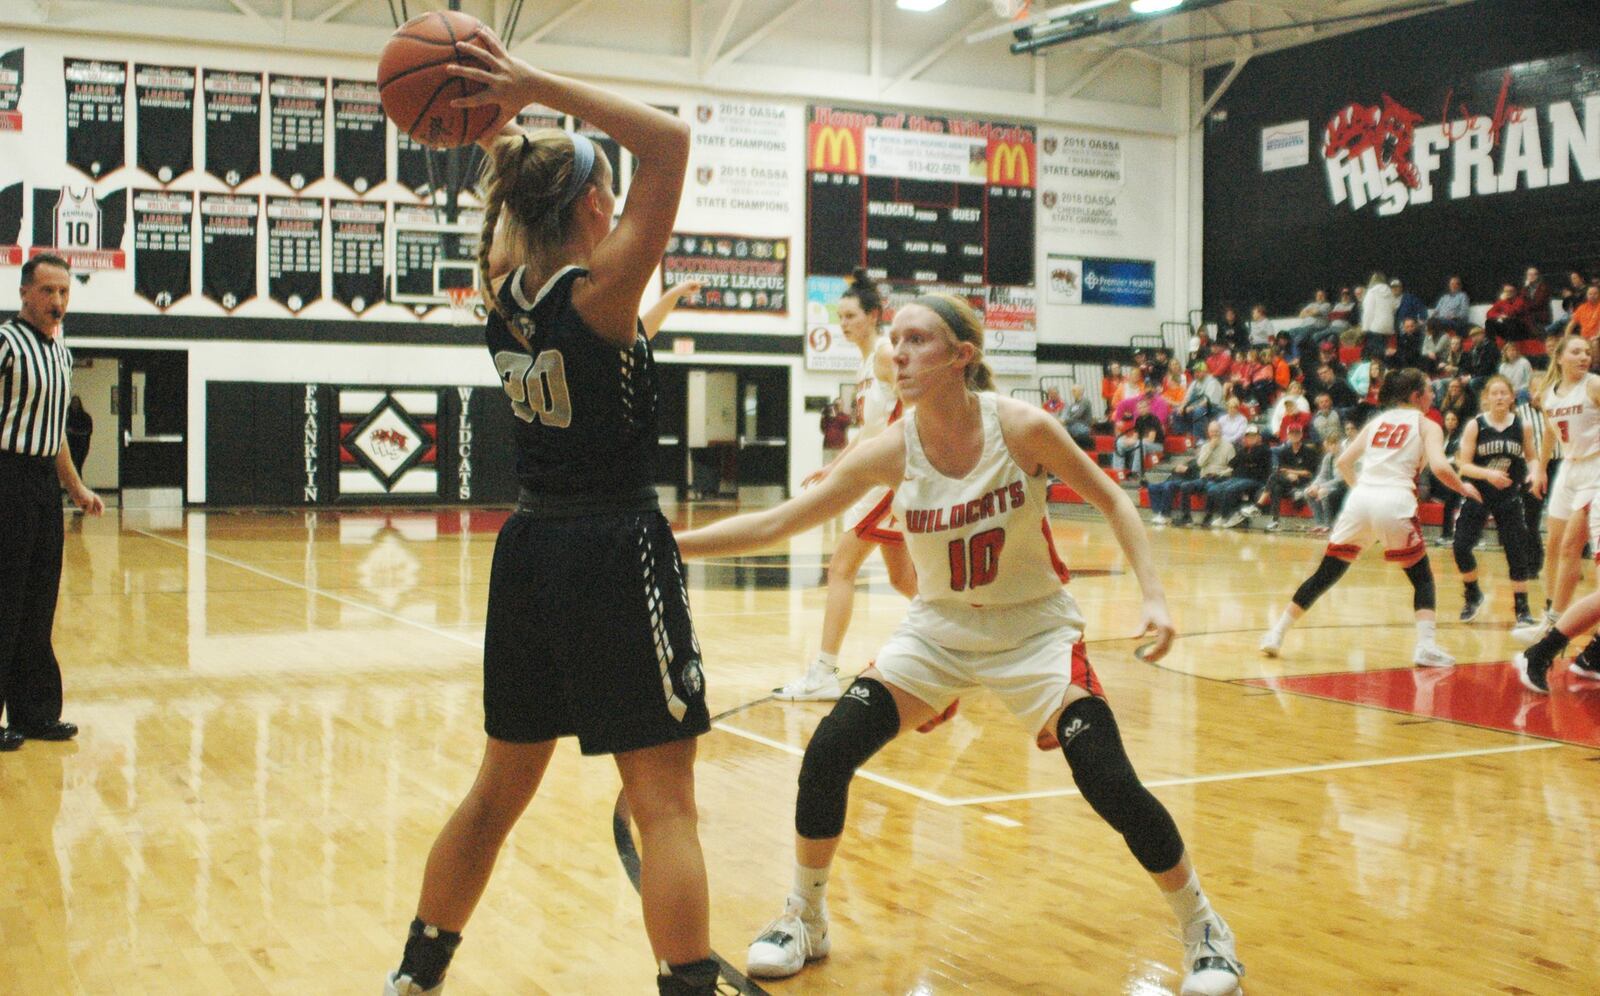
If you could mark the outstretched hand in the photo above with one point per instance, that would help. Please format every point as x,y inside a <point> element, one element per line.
<point>508,82</point>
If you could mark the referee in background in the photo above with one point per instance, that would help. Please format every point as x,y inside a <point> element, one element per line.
<point>35,385</point>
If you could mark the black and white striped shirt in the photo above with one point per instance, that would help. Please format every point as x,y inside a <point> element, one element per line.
<point>35,385</point>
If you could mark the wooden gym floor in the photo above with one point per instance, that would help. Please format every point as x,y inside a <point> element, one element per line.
<point>279,711</point>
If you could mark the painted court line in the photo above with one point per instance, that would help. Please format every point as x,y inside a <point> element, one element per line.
<point>1227,776</point>
<point>243,566</point>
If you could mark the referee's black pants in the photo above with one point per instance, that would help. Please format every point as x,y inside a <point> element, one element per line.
<point>30,574</point>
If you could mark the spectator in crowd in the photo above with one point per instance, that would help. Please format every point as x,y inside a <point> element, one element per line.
<point>1078,418</point>
<point>1326,490</point>
<point>1458,401</point>
<point>1433,488</point>
<point>1202,402</point>
<point>1408,343</point>
<point>1563,304</point>
<point>1211,463</point>
<point>1377,315</point>
<point>1233,422</point>
<point>1435,335</point>
<point>1313,323</point>
<point>1110,384</point>
<point>1517,371</point>
<point>1291,407</point>
<point>1231,330</point>
<point>1342,314</point>
<point>1447,352</point>
<point>1343,394</point>
<point>1138,439</point>
<point>1326,425</point>
<point>1261,387</point>
<point>1537,294</point>
<point>835,431</point>
<point>1508,318</point>
<point>1131,388</point>
<point>1219,360</point>
<point>1174,386</point>
<point>1454,309</point>
<point>1296,464</point>
<point>1052,402</point>
<point>1128,409</point>
<point>1480,358</point>
<point>1365,379</point>
<point>1406,304</point>
<point>1262,330</point>
<point>1586,315</point>
<point>1230,502</point>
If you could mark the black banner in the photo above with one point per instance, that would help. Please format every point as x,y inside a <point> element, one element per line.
<point>294,251</point>
<point>96,106</point>
<point>73,224</point>
<point>11,90</point>
<point>358,234</point>
<point>163,138</point>
<point>411,165</point>
<point>358,135</point>
<point>11,225</point>
<point>737,273</point>
<point>233,125</point>
<point>297,122</point>
<point>228,248</point>
<point>163,228</point>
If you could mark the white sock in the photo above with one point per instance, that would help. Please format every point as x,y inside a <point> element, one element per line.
<point>811,887</point>
<point>829,661</point>
<point>1284,622</point>
<point>1426,628</point>
<point>1551,615</point>
<point>1189,904</point>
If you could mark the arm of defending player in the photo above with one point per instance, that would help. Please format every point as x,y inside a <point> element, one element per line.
<point>1045,443</point>
<point>658,312</point>
<point>881,460</point>
<point>1433,446</point>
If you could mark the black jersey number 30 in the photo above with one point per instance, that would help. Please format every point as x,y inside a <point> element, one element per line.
<point>537,386</point>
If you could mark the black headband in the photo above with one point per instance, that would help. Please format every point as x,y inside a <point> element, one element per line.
<point>945,310</point>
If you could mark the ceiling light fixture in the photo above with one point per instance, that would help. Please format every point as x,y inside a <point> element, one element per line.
<point>1154,6</point>
<point>921,6</point>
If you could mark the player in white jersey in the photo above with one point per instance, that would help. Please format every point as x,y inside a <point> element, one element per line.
<point>970,471</point>
<point>870,523</point>
<point>1382,506</point>
<point>1570,399</point>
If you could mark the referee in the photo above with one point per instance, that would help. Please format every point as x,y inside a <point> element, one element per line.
<point>35,383</point>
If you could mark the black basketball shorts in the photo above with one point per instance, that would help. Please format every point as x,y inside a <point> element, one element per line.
<point>589,634</point>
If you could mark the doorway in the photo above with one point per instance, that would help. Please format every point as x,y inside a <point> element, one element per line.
<point>139,400</point>
<point>758,455</point>
<point>95,381</point>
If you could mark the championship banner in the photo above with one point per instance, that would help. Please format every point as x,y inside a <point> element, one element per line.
<point>294,251</point>
<point>11,90</point>
<point>742,159</point>
<point>163,226</point>
<point>233,125</point>
<point>938,200</point>
<point>737,273</point>
<point>388,442</point>
<point>359,229</point>
<point>1080,182</point>
<point>163,134</point>
<point>96,99</point>
<point>11,225</point>
<point>228,227</point>
<point>411,165</point>
<point>84,231</point>
<point>1118,283</point>
<point>359,131</point>
<point>296,124</point>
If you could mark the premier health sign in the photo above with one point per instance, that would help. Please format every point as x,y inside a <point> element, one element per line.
<point>1117,283</point>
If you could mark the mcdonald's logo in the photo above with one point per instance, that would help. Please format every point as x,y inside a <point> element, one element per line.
<point>834,149</point>
<point>1010,164</point>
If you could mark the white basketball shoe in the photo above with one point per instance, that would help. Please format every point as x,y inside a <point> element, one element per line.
<point>1271,643</point>
<point>1429,655</point>
<point>820,683</point>
<point>1211,968</point>
<point>788,942</point>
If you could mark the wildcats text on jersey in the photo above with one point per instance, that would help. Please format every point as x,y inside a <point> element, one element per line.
<point>996,502</point>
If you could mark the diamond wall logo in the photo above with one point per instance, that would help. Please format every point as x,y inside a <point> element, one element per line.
<point>387,442</point>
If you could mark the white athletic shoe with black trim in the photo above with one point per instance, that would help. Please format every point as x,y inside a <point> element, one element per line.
<point>820,683</point>
<point>787,943</point>
<point>1529,635</point>
<point>401,985</point>
<point>1429,655</point>
<point>1271,643</point>
<point>1211,967</point>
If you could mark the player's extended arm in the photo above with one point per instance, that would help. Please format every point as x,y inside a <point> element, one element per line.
<point>1433,446</point>
<point>881,460</point>
<point>1044,442</point>
<point>658,312</point>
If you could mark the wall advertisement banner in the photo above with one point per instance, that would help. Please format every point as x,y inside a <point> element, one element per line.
<point>1118,283</point>
<point>737,273</point>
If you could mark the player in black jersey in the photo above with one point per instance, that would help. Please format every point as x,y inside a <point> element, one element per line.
<point>1495,447</point>
<point>588,630</point>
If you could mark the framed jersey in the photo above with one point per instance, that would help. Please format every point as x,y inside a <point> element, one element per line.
<point>72,223</point>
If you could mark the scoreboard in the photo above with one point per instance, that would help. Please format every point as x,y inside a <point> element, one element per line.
<point>920,199</point>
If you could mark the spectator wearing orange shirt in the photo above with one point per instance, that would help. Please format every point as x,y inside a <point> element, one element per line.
<point>1586,316</point>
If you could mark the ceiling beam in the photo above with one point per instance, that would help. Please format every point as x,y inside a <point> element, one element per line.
<point>246,10</point>
<point>729,15</point>
<point>1096,69</point>
<point>917,68</point>
<point>1222,88</point>
<point>759,35</point>
<point>544,29</point>
<point>334,11</point>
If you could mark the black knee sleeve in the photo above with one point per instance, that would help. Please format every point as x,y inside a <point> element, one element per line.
<point>864,719</point>
<point>1105,776</point>
<point>1326,576</point>
<point>1421,576</point>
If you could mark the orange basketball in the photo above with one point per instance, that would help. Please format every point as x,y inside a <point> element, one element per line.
<point>416,88</point>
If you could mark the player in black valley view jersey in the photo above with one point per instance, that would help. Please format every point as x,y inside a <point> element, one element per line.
<point>1495,448</point>
<point>588,629</point>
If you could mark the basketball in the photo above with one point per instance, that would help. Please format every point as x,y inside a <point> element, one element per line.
<point>416,87</point>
